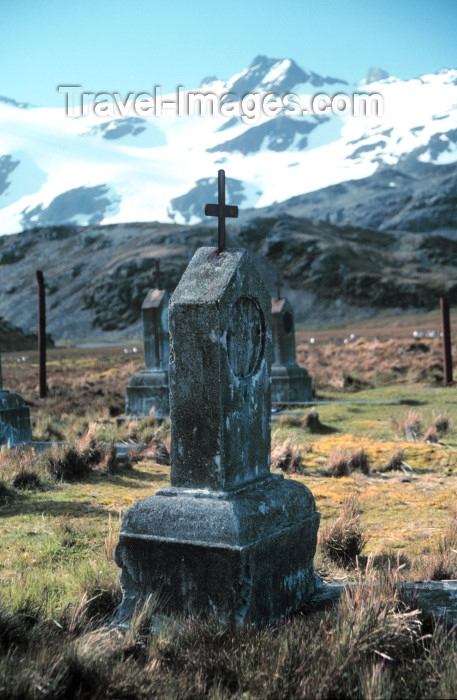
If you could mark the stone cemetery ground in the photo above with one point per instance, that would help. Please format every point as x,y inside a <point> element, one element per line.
<point>381,460</point>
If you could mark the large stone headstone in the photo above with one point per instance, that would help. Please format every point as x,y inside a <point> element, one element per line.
<point>14,417</point>
<point>227,537</point>
<point>148,389</point>
<point>289,382</point>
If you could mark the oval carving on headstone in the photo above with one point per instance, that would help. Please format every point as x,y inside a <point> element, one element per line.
<point>245,337</point>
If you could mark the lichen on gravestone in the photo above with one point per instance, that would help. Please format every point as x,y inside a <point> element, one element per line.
<point>227,537</point>
<point>148,390</point>
<point>14,417</point>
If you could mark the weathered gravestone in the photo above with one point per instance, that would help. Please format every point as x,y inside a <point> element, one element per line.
<point>14,417</point>
<point>148,389</point>
<point>227,537</point>
<point>289,382</point>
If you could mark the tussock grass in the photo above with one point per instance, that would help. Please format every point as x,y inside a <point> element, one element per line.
<point>26,480</point>
<point>155,436</point>
<point>343,462</point>
<point>442,564</point>
<point>15,460</point>
<point>144,430</point>
<point>395,461</point>
<point>69,463</point>
<point>290,421</point>
<point>371,644</point>
<point>360,461</point>
<point>286,457</point>
<point>308,421</point>
<point>24,469</point>
<point>48,429</point>
<point>441,424</point>
<point>338,464</point>
<point>154,450</point>
<point>6,493</point>
<point>431,435</point>
<point>111,539</point>
<point>438,427</point>
<point>311,423</point>
<point>343,540</point>
<point>109,461</point>
<point>409,426</point>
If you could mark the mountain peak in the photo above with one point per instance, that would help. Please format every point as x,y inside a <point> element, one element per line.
<point>375,74</point>
<point>279,75</point>
<point>56,170</point>
<point>208,80</point>
<point>12,103</point>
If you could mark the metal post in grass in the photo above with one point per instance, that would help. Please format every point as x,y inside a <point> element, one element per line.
<point>446,330</point>
<point>42,332</point>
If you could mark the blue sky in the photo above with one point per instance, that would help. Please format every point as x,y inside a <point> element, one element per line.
<point>132,45</point>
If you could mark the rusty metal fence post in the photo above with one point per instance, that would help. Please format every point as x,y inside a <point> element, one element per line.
<point>446,330</point>
<point>42,332</point>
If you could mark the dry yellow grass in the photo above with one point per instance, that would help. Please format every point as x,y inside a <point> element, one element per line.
<point>403,510</point>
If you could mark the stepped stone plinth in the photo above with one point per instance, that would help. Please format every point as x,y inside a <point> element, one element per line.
<point>289,382</point>
<point>148,390</point>
<point>227,537</point>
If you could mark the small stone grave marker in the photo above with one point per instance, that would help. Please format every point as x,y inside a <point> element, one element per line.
<point>227,537</point>
<point>14,417</point>
<point>289,382</point>
<point>148,389</point>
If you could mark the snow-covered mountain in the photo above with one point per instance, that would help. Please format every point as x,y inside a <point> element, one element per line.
<point>90,169</point>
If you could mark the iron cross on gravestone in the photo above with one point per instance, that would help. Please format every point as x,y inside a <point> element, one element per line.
<point>221,210</point>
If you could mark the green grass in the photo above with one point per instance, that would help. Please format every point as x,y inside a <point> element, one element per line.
<point>59,583</point>
<point>374,418</point>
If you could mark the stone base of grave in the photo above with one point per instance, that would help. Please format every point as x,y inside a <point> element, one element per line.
<point>245,555</point>
<point>14,419</point>
<point>148,390</point>
<point>290,383</point>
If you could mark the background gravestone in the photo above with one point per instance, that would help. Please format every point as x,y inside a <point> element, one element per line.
<point>149,389</point>
<point>289,382</point>
<point>14,417</point>
<point>227,537</point>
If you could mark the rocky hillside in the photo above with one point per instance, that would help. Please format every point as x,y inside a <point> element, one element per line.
<point>346,267</point>
<point>416,197</point>
<point>13,338</point>
<point>97,276</point>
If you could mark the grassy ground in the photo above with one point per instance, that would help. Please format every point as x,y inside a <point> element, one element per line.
<point>58,581</point>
